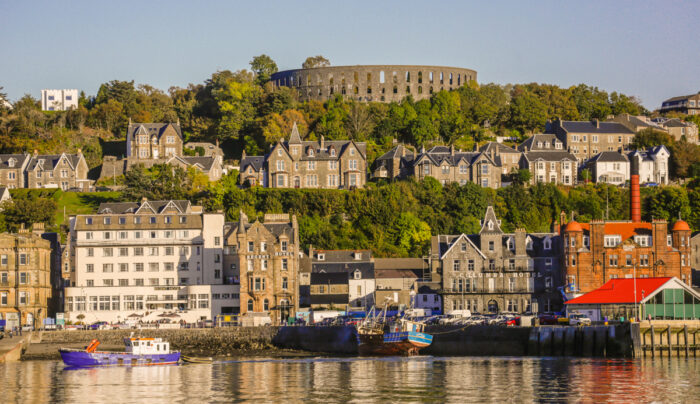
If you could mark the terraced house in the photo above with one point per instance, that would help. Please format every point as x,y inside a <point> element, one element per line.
<point>548,160</point>
<point>12,167</point>
<point>443,163</point>
<point>336,164</point>
<point>263,257</point>
<point>584,139</point>
<point>494,271</point>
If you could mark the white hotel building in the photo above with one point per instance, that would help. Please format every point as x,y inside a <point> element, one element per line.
<point>148,261</point>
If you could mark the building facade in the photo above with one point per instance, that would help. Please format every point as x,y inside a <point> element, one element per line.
<point>652,164</point>
<point>380,83</point>
<point>685,104</point>
<point>152,141</point>
<point>148,259</point>
<point>25,278</point>
<point>609,167</point>
<point>65,171</point>
<point>494,271</point>
<point>59,100</point>
<point>356,267</point>
<point>598,251</point>
<point>548,161</point>
<point>585,139</point>
<point>264,258</point>
<point>12,170</point>
<point>337,164</point>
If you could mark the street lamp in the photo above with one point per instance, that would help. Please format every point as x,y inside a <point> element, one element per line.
<point>634,278</point>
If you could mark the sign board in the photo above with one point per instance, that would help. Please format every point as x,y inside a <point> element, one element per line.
<point>60,319</point>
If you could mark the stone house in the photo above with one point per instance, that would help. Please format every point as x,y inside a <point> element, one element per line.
<point>598,251</point>
<point>610,167</point>
<point>396,286</point>
<point>548,161</point>
<point>12,170</point>
<point>409,277</point>
<point>679,129</point>
<point>494,271</point>
<point>507,157</point>
<point>584,139</point>
<point>264,258</point>
<point>148,141</point>
<point>685,104</point>
<point>358,272</point>
<point>335,164</point>
<point>394,164</point>
<point>65,171</point>
<point>25,278</point>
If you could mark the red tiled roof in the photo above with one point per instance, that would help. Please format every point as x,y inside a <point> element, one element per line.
<point>617,291</point>
<point>625,230</point>
<point>681,225</point>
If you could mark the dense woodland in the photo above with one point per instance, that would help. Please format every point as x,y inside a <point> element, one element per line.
<point>242,110</point>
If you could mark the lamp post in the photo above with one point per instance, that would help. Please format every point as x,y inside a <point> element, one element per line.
<point>634,279</point>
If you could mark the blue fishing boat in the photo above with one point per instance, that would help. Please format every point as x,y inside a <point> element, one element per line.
<point>138,352</point>
<point>405,337</point>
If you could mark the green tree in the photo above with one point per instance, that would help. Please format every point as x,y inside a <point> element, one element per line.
<point>527,112</point>
<point>27,211</point>
<point>315,61</point>
<point>263,66</point>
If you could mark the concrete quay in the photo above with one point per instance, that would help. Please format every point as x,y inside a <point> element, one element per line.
<point>11,348</point>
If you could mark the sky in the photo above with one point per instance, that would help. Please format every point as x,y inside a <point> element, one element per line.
<point>647,49</point>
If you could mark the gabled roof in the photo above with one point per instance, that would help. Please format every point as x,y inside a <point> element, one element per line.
<point>497,147</point>
<point>455,241</point>
<point>254,161</point>
<point>205,163</point>
<point>629,290</point>
<point>590,127</point>
<point>50,161</point>
<point>531,143</point>
<point>610,157</point>
<point>490,217</point>
<point>151,129</point>
<point>624,229</point>
<point>549,155</point>
<point>19,160</point>
<point>118,208</point>
<point>396,152</point>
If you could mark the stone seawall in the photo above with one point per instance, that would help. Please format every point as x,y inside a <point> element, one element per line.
<point>192,341</point>
<point>483,340</point>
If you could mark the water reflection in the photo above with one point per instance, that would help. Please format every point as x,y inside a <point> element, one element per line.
<point>421,379</point>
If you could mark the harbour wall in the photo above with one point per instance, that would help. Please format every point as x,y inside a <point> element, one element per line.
<point>621,340</point>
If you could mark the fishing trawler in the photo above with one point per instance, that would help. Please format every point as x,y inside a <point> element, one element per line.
<point>138,352</point>
<point>405,337</point>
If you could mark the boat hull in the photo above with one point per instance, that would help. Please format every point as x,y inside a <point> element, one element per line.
<point>396,343</point>
<point>74,358</point>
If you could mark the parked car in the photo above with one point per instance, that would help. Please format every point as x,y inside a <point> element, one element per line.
<point>99,325</point>
<point>548,319</point>
<point>579,319</point>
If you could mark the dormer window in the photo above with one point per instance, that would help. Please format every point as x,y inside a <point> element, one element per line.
<point>358,256</point>
<point>88,220</point>
<point>357,274</point>
<point>332,152</point>
<point>643,241</point>
<point>548,244</point>
<point>310,152</point>
<point>11,163</point>
<point>613,241</point>
<point>490,225</point>
<point>586,241</point>
<point>528,243</point>
<point>321,257</point>
<point>510,244</point>
<point>557,145</point>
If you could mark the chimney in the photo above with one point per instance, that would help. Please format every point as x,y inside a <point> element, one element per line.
<point>452,149</point>
<point>596,122</point>
<point>520,240</point>
<point>36,152</point>
<point>217,142</point>
<point>243,155</point>
<point>38,228</point>
<point>311,251</point>
<point>635,206</point>
<point>403,151</point>
<point>144,200</point>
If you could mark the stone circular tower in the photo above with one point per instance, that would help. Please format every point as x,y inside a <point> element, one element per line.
<point>379,83</point>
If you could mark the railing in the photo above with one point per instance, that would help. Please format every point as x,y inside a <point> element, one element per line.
<point>485,291</point>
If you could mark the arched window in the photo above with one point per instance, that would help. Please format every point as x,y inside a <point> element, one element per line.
<point>420,77</point>
<point>250,304</point>
<point>408,89</point>
<point>492,306</point>
<point>459,79</point>
<point>420,90</point>
<point>431,89</point>
<point>355,77</point>
<point>430,77</point>
<point>395,77</point>
<point>369,78</point>
<point>369,90</point>
<point>266,305</point>
<point>330,79</point>
<point>356,90</point>
<point>396,90</point>
<point>381,76</point>
<point>408,77</point>
<point>450,78</point>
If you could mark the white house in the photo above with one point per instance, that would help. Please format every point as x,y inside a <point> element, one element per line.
<point>609,167</point>
<point>148,261</point>
<point>652,163</point>
<point>59,100</point>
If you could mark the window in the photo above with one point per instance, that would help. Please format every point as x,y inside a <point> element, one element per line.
<point>138,251</point>
<point>153,251</point>
<point>511,285</point>
<point>250,304</point>
<point>23,299</point>
<point>264,265</point>
<point>123,252</point>
<point>123,267</point>
<point>107,235</point>
<point>456,265</point>
<point>669,240</point>
<point>138,281</point>
<point>644,260</point>
<point>89,268</point>
<point>23,278</point>
<point>251,246</point>
<point>107,252</point>
<point>107,282</point>
<point>169,251</point>
<point>168,266</point>
<point>470,265</point>
<point>88,220</point>
<point>138,267</point>
<point>491,245</point>
<point>153,267</point>
<point>586,241</point>
<point>283,246</point>
<point>107,267</point>
<point>612,260</point>
<point>285,283</point>
<point>89,282</point>
<point>23,259</point>
<point>547,244</point>
<point>612,241</point>
<point>285,264</point>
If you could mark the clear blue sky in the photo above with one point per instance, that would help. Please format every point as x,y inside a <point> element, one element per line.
<point>641,48</point>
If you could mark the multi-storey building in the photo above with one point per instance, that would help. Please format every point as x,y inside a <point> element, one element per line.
<point>548,160</point>
<point>695,258</point>
<point>598,251</point>
<point>65,171</point>
<point>685,104</point>
<point>679,129</point>
<point>357,272</point>
<point>494,271</point>
<point>652,164</point>
<point>443,163</point>
<point>264,258</point>
<point>59,100</point>
<point>12,170</point>
<point>25,278</point>
<point>587,138</point>
<point>147,141</point>
<point>506,157</point>
<point>155,257</point>
<point>337,164</point>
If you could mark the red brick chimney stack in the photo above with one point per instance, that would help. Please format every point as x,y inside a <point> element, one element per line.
<point>635,205</point>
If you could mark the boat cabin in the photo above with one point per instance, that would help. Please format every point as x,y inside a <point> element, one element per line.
<point>146,346</point>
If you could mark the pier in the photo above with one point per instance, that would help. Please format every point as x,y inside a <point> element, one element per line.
<point>669,339</point>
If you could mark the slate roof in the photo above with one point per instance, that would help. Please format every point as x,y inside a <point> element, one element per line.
<point>275,228</point>
<point>131,207</point>
<point>531,142</point>
<point>20,159</point>
<point>398,273</point>
<point>152,128</point>
<point>342,255</point>
<point>590,127</point>
<point>647,155</point>
<point>205,162</point>
<point>440,156</point>
<point>499,148</point>
<point>679,98</point>
<point>255,161</point>
<point>396,152</point>
<point>49,161</point>
<point>399,263</point>
<point>609,156</point>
